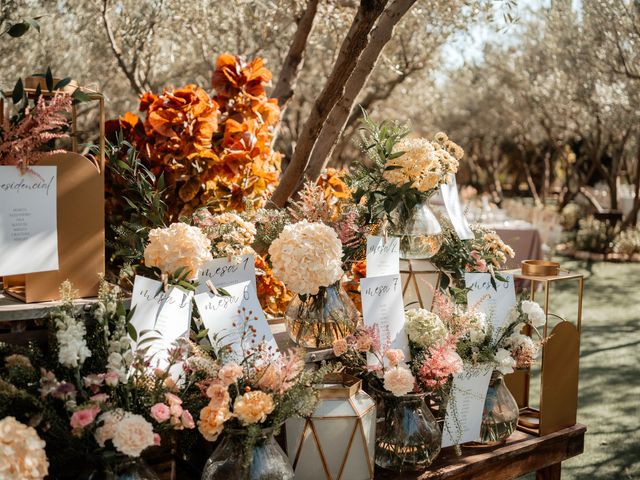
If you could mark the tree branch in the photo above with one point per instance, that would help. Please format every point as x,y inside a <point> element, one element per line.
<point>352,46</point>
<point>283,91</point>
<point>130,74</point>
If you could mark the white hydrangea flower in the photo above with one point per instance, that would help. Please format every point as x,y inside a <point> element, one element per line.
<point>424,327</point>
<point>307,256</point>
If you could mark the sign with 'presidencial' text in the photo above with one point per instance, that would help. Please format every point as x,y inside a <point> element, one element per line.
<point>28,220</point>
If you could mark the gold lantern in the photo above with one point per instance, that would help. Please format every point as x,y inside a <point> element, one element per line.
<point>337,442</point>
<point>420,279</point>
<point>560,355</point>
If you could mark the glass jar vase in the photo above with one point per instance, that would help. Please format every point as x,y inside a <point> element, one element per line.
<point>316,321</point>
<point>231,460</point>
<point>407,435</point>
<point>420,232</point>
<point>500,414</point>
<point>122,467</point>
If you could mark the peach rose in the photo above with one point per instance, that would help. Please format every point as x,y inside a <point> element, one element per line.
<point>395,356</point>
<point>340,347</point>
<point>187,420</point>
<point>253,407</point>
<point>230,373</point>
<point>399,380</point>
<point>132,435</point>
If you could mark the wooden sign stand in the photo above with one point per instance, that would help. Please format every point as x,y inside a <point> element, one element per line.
<point>80,212</point>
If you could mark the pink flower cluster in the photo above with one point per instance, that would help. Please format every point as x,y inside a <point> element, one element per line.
<point>22,143</point>
<point>172,412</point>
<point>479,264</point>
<point>441,362</point>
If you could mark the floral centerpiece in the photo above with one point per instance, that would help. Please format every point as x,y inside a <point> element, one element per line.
<point>95,401</point>
<point>402,175</point>
<point>247,396</point>
<point>486,252</point>
<point>505,349</point>
<point>307,257</point>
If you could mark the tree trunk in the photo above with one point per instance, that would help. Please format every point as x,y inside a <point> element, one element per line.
<point>292,65</point>
<point>352,46</point>
<point>334,126</point>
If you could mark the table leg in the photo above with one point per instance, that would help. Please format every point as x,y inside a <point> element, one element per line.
<point>552,472</point>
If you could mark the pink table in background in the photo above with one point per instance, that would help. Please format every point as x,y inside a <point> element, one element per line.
<point>525,241</point>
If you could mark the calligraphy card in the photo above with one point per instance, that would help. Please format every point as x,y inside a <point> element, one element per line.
<point>382,306</point>
<point>223,272</point>
<point>497,302</point>
<point>28,220</point>
<point>159,318</point>
<point>227,319</point>
<point>383,256</point>
<point>465,406</point>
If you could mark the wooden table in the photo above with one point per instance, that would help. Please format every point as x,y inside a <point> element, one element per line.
<point>521,454</point>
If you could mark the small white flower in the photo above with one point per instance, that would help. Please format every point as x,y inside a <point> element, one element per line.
<point>534,313</point>
<point>505,362</point>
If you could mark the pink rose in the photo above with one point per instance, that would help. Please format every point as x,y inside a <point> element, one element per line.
<point>160,412</point>
<point>99,398</point>
<point>364,342</point>
<point>156,440</point>
<point>84,417</point>
<point>187,420</point>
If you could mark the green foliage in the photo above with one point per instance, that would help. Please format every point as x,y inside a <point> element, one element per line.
<point>380,197</point>
<point>594,235</point>
<point>143,208</point>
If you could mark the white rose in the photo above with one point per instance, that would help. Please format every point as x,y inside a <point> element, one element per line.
<point>505,362</point>
<point>534,312</point>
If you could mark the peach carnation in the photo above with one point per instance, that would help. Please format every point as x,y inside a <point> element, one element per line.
<point>340,347</point>
<point>107,429</point>
<point>219,395</point>
<point>178,246</point>
<point>253,407</point>
<point>132,435</point>
<point>395,356</point>
<point>307,256</point>
<point>399,380</point>
<point>22,454</point>
<point>212,421</point>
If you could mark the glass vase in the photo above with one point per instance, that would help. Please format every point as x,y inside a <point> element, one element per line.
<point>500,414</point>
<point>122,467</point>
<point>231,460</point>
<point>316,321</point>
<point>407,435</point>
<point>420,232</point>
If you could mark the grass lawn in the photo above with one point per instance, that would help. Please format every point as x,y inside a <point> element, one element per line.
<point>609,401</point>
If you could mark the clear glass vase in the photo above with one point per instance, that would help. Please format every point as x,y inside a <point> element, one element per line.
<point>500,414</point>
<point>316,321</point>
<point>420,232</point>
<point>407,435</point>
<point>231,460</point>
<point>122,467</point>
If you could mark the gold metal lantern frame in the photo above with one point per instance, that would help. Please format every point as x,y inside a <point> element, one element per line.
<point>560,358</point>
<point>420,280</point>
<point>337,442</point>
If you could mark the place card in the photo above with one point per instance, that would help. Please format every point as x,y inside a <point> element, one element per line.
<point>496,302</point>
<point>382,306</point>
<point>28,220</point>
<point>223,272</point>
<point>383,256</point>
<point>224,317</point>
<point>160,318</point>
<point>463,419</point>
<point>451,199</point>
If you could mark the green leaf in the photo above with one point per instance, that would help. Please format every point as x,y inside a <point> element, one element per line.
<point>33,23</point>
<point>79,96</point>
<point>18,92</point>
<point>18,29</point>
<point>132,332</point>
<point>62,83</point>
<point>49,79</point>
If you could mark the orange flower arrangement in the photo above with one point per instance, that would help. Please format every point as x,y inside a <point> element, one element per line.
<point>213,151</point>
<point>274,296</point>
<point>336,191</point>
